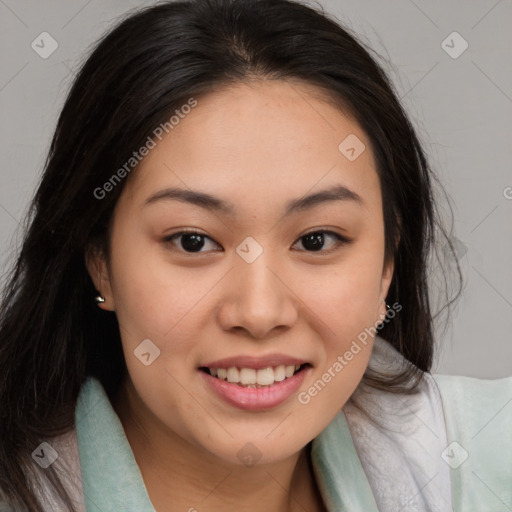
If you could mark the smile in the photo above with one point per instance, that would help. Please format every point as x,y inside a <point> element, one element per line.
<point>255,378</point>
<point>255,389</point>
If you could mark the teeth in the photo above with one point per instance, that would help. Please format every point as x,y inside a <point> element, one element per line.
<point>289,371</point>
<point>265,376</point>
<point>249,377</point>
<point>279,373</point>
<point>233,375</point>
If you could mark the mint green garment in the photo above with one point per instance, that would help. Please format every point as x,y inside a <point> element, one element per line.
<point>478,416</point>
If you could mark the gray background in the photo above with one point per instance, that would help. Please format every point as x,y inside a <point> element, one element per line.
<point>461,106</point>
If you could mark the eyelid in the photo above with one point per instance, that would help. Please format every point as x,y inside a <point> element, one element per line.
<point>341,240</point>
<point>189,231</point>
<point>324,230</point>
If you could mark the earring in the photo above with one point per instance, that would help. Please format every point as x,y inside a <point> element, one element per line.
<point>99,299</point>
<point>382,317</point>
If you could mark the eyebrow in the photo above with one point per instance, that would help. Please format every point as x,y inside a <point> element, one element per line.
<point>209,202</point>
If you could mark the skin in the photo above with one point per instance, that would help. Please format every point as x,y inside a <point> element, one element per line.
<point>257,145</point>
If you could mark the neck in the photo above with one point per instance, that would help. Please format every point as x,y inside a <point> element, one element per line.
<point>181,477</point>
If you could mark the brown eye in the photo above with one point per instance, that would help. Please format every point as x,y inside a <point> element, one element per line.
<point>191,241</point>
<point>316,240</point>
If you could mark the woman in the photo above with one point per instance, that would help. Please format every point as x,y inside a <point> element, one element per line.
<point>225,276</point>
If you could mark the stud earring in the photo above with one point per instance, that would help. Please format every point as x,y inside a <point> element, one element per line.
<point>99,299</point>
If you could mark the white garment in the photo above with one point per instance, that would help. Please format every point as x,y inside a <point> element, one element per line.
<point>407,457</point>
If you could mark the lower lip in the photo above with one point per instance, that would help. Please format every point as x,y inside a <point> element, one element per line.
<point>256,399</point>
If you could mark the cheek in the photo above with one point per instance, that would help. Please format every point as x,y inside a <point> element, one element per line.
<point>334,383</point>
<point>345,373</point>
<point>346,300</point>
<point>346,297</point>
<point>347,339</point>
<point>167,305</point>
<point>151,294</point>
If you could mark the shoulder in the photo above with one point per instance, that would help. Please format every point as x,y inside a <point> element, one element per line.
<point>459,383</point>
<point>476,408</point>
<point>478,416</point>
<point>469,400</point>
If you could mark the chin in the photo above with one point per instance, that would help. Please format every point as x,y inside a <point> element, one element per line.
<point>248,452</point>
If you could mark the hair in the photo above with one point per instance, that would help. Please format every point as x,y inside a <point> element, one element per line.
<point>52,334</point>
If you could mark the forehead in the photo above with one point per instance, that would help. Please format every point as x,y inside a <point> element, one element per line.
<point>260,141</point>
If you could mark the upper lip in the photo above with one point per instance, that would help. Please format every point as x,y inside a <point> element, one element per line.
<point>255,362</point>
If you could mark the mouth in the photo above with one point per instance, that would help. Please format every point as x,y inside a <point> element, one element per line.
<point>255,378</point>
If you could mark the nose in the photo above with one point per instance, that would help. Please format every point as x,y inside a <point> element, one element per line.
<point>258,300</point>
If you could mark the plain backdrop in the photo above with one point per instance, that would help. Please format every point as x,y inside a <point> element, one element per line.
<point>451,64</point>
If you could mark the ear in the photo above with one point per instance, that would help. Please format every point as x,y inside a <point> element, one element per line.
<point>385,282</point>
<point>96,264</point>
<point>387,273</point>
<point>387,276</point>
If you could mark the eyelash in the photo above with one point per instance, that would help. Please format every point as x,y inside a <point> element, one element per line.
<point>340,240</point>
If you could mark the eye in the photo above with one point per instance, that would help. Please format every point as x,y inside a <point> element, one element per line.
<point>191,241</point>
<point>314,241</point>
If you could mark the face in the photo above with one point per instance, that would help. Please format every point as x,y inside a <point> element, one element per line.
<point>272,276</point>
